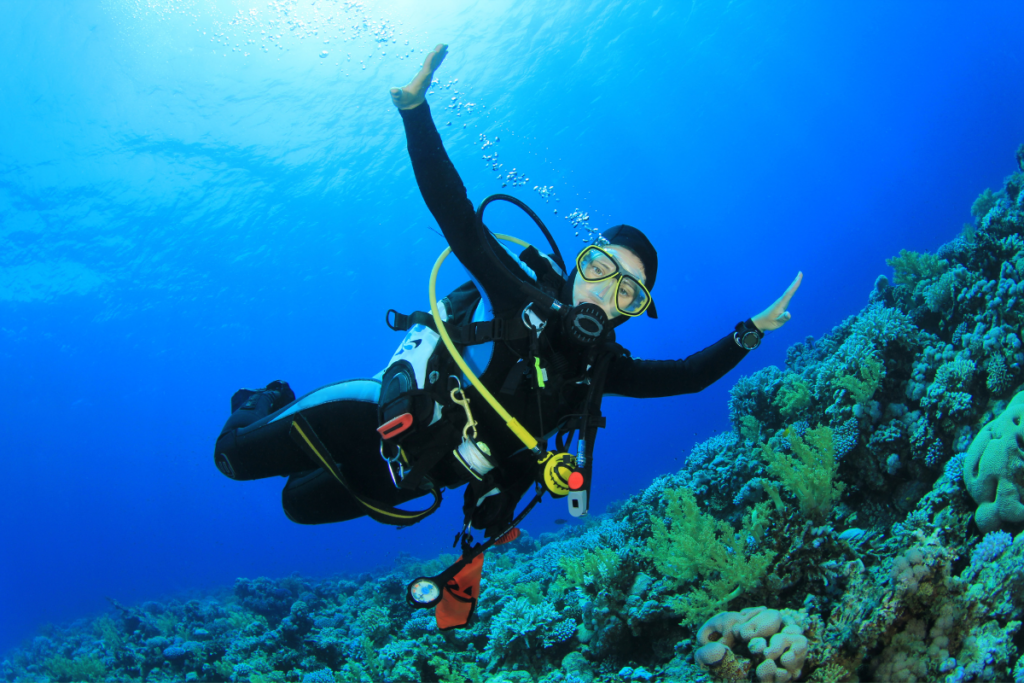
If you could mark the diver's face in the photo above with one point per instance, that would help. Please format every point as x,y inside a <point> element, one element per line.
<point>601,293</point>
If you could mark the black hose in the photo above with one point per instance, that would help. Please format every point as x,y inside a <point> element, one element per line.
<point>529,212</point>
<point>531,292</point>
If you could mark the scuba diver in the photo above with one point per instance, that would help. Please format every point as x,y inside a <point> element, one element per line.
<point>519,356</point>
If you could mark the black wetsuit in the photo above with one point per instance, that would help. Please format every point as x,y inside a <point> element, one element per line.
<point>255,444</point>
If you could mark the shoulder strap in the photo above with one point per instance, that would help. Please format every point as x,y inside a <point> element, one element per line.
<point>546,274</point>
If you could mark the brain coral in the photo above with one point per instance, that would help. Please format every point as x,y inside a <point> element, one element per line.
<point>994,469</point>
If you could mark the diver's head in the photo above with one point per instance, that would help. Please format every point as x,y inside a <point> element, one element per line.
<point>618,276</point>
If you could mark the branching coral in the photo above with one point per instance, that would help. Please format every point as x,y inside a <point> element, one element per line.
<point>522,625</point>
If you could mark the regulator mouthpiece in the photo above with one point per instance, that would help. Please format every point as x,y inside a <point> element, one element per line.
<point>585,324</point>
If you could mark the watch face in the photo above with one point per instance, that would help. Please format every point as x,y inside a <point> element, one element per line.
<point>750,340</point>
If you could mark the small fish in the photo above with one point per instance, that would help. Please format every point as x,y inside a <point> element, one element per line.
<point>856,535</point>
<point>560,521</point>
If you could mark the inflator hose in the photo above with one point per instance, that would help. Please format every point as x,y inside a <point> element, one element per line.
<point>510,422</point>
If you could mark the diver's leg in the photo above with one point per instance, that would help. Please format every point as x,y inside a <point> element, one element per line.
<point>316,497</point>
<point>250,405</point>
<point>348,429</point>
<point>256,441</point>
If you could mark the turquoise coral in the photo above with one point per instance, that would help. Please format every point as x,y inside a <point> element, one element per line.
<point>994,469</point>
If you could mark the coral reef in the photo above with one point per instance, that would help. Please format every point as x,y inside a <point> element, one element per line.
<point>857,525</point>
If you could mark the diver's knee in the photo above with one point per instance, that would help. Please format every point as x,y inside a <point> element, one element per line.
<point>296,512</point>
<point>222,452</point>
<point>292,517</point>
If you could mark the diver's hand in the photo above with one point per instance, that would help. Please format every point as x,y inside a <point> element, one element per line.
<point>414,94</point>
<point>776,315</point>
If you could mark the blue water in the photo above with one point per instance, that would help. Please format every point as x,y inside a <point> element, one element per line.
<point>180,217</point>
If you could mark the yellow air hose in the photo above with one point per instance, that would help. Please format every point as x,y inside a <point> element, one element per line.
<point>510,421</point>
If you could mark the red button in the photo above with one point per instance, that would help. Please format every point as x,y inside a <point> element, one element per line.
<point>575,481</point>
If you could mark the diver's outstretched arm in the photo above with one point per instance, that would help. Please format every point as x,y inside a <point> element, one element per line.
<point>413,95</point>
<point>654,378</point>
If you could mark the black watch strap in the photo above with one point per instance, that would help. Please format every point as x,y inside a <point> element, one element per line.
<point>747,336</point>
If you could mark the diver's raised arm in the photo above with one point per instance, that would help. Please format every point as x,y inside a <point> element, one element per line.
<point>444,192</point>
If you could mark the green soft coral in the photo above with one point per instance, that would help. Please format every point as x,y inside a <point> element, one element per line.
<point>695,545</point>
<point>793,397</point>
<point>910,267</point>
<point>62,668</point>
<point>809,473</point>
<point>588,570</point>
<point>453,671</point>
<point>984,203</point>
<point>865,383</point>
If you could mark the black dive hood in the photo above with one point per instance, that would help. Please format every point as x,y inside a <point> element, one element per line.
<point>585,324</point>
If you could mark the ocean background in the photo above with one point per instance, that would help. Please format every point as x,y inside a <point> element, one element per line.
<point>189,205</point>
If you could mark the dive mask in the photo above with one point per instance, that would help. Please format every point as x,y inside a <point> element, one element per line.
<point>597,265</point>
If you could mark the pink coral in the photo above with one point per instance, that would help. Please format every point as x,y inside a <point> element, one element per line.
<point>784,653</point>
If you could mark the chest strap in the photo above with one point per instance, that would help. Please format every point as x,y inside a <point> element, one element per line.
<point>462,335</point>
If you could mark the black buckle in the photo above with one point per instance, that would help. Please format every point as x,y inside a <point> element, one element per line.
<point>401,323</point>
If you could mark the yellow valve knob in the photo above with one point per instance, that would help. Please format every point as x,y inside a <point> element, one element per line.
<point>557,469</point>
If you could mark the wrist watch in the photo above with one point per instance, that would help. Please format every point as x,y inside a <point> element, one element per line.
<point>747,336</point>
